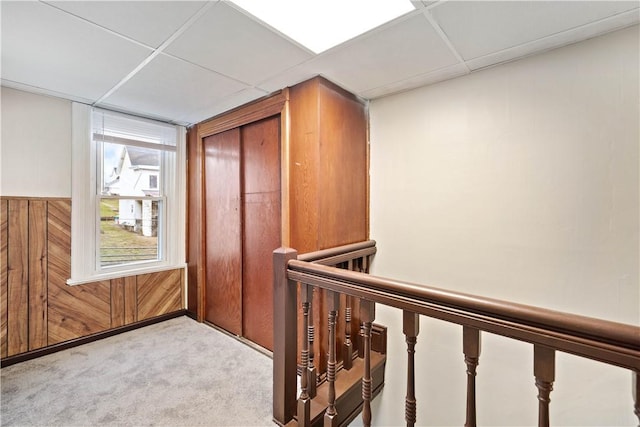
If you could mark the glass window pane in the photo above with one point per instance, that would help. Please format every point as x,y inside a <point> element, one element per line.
<point>130,171</point>
<point>129,230</point>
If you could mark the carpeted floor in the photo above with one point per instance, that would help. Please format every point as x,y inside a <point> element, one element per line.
<point>175,373</point>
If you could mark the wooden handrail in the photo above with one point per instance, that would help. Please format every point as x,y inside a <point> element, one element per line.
<point>548,330</point>
<point>606,341</point>
<point>333,256</point>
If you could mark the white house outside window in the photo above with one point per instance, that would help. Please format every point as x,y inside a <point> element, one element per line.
<point>128,195</point>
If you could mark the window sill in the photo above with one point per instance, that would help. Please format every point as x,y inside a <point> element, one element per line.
<point>124,273</point>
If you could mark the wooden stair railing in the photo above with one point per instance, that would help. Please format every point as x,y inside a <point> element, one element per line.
<point>340,344</point>
<point>547,330</point>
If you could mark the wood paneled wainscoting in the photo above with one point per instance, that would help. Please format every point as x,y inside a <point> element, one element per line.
<point>39,310</point>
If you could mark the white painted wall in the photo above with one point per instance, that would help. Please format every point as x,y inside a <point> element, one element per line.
<point>519,182</point>
<point>35,145</point>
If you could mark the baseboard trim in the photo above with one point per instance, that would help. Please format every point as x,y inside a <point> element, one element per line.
<point>33,354</point>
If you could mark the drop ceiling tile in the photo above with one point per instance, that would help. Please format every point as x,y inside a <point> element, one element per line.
<point>406,47</point>
<point>442,74</point>
<point>170,88</point>
<point>222,105</point>
<point>149,22</point>
<point>46,48</point>
<point>229,42</point>
<point>290,77</point>
<point>574,35</point>
<point>478,28</point>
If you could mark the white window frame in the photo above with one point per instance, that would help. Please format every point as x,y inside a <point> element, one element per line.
<point>85,210</point>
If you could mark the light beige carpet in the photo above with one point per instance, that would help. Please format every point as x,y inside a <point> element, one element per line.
<point>175,373</point>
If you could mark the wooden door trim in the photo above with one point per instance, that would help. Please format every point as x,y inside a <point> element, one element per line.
<point>248,113</point>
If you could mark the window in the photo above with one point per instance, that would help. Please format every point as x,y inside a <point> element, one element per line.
<point>128,195</point>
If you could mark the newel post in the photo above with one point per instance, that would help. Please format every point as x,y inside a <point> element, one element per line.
<point>284,338</point>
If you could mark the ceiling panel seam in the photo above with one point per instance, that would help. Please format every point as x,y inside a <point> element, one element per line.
<point>93,24</point>
<point>436,26</point>
<point>626,19</point>
<point>186,61</point>
<point>158,50</point>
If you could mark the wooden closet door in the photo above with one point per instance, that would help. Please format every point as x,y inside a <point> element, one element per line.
<point>223,231</point>
<point>262,226</point>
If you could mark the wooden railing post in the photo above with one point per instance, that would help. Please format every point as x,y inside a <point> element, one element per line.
<point>544,370</point>
<point>284,339</point>
<point>471,350</point>
<point>304,401</point>
<point>410,328</point>
<point>368,315</point>
<point>331,415</point>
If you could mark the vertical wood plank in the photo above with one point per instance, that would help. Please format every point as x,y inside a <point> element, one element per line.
<point>117,302</point>
<point>18,277</point>
<point>38,261</point>
<point>4,224</point>
<point>130,300</point>
<point>195,217</point>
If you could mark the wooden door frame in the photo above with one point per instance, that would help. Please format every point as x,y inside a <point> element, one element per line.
<point>276,103</point>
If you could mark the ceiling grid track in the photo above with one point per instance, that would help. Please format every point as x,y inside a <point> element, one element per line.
<point>157,51</point>
<point>443,36</point>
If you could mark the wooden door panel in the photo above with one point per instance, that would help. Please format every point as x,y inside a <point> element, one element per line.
<point>223,290</point>
<point>262,226</point>
<point>261,156</point>
<point>261,238</point>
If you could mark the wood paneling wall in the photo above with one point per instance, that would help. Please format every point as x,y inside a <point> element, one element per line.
<point>4,286</point>
<point>38,308</point>
<point>328,167</point>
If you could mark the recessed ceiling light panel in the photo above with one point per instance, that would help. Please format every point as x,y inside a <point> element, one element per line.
<point>321,25</point>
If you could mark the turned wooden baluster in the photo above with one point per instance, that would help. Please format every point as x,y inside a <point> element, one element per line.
<point>636,394</point>
<point>304,401</point>
<point>471,350</point>
<point>544,372</point>
<point>365,264</point>
<point>331,415</point>
<point>367,315</point>
<point>311,370</point>
<point>410,328</point>
<point>347,346</point>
